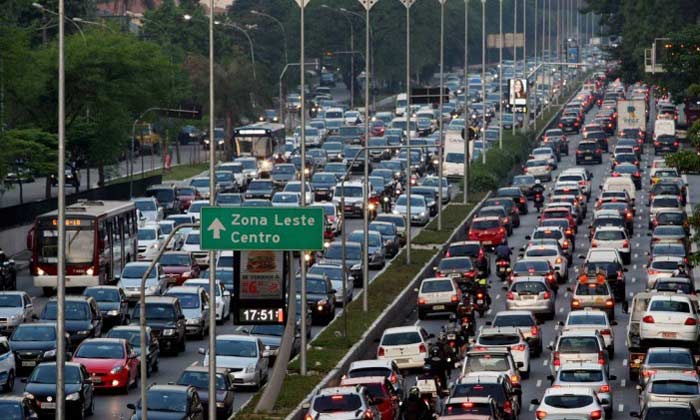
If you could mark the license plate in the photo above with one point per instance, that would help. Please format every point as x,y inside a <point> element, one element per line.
<point>96,379</point>
<point>438,307</point>
<point>28,363</point>
<point>480,301</point>
<point>401,361</point>
<point>487,242</point>
<point>48,405</point>
<point>599,300</point>
<point>668,334</point>
<point>588,158</point>
<point>502,270</point>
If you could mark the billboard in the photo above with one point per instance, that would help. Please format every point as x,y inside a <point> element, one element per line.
<point>517,98</point>
<point>259,287</point>
<point>493,40</point>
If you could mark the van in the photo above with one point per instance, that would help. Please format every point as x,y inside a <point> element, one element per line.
<point>664,127</point>
<point>401,104</point>
<point>621,183</point>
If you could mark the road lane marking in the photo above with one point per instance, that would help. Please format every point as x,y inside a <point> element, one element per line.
<point>498,296</point>
<point>636,255</point>
<point>194,363</point>
<point>636,245</point>
<point>539,383</point>
<point>566,295</point>
<point>624,363</point>
<point>489,312</point>
<point>532,407</point>
<point>621,408</point>
<point>545,362</point>
<point>561,310</point>
<point>631,294</point>
<point>634,266</point>
<point>634,279</point>
<point>623,383</point>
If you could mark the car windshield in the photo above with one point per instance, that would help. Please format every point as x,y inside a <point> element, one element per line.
<point>401,339</point>
<point>337,403</point>
<point>12,410</point>
<point>260,185</point>
<point>415,201</point>
<point>664,305</point>
<point>609,235</point>
<point>34,333</point>
<point>313,285</point>
<point>100,350</point>
<point>486,224</point>
<point>156,312</point>
<point>10,301</point>
<point>528,287</point>
<point>99,294</point>
<point>383,228</point>
<point>46,374</point>
<point>568,401</point>
<point>237,348</point>
<point>436,286</point>
<point>74,311</point>
<point>276,330</point>
<point>592,289</point>
<point>674,387</point>
<point>467,408</point>
<point>187,300</point>
<point>670,358</point>
<point>173,401</point>
<point>498,339</point>
<point>578,345</point>
<point>147,234</point>
<point>335,252</point>
<point>586,319</point>
<point>192,238</point>
<point>669,231</point>
<point>536,163</point>
<point>581,375</point>
<point>175,260</point>
<point>523,180</point>
<point>514,321</point>
<point>284,169</point>
<point>323,178</point>
<point>665,265</point>
<point>348,191</point>
<point>454,157</point>
<point>200,380</point>
<point>133,337</point>
<point>136,271</point>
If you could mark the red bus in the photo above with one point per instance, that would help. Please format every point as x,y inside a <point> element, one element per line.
<point>101,237</point>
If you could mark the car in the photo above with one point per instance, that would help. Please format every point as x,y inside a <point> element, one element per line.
<point>271,337</point>
<point>666,410</point>
<point>131,276</point>
<point>460,269</point>
<point>223,296</point>
<point>375,247</point>
<point>662,360</point>
<point>17,407</point>
<point>578,347</point>
<point>613,237</point>
<point>494,360</point>
<point>33,344</point>
<point>179,266</point>
<point>16,307</point>
<point>554,255</point>
<point>112,302</point>
<point>534,268</point>
<point>671,319</point>
<point>567,401</point>
<point>149,208</point>
<point>202,185</point>
<point>481,408</point>
<point>41,388</point>
<point>669,235</point>
<point>150,240</point>
<point>378,367</point>
<point>516,195</point>
<point>259,189</point>
<point>546,153</point>
<point>333,254</point>
<point>82,317</point>
<point>507,338</point>
<point>671,387</point>
<point>531,294</point>
<point>194,302</point>
<point>588,152</point>
<point>420,214</point>
<point>320,297</point>
<point>497,211</point>
<point>489,231</point>
<point>406,346</point>
<point>244,355</point>
<point>198,377</point>
<point>341,402</point>
<point>335,274</point>
<point>438,295</point>
<point>593,292</point>
<point>592,320</point>
<point>229,200</point>
<point>283,173</point>
<point>384,396</point>
<point>389,235</point>
<point>662,266</point>
<point>192,245</point>
<point>526,323</point>
<point>665,144</point>
<point>496,385</point>
<point>112,363</point>
<point>195,208</point>
<point>674,284</point>
<point>398,221</point>
<point>589,375</point>
<point>525,183</point>
<point>556,233</point>
<point>167,322</point>
<point>472,249</point>
<point>509,205</point>
<point>132,334</point>
<point>170,401</point>
<point>295,187</point>
<point>539,168</point>
<point>350,195</point>
<point>166,198</point>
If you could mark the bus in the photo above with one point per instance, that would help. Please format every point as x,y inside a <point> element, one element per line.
<point>259,140</point>
<point>101,237</point>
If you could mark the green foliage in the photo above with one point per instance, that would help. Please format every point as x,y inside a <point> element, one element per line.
<point>685,161</point>
<point>682,61</point>
<point>35,148</point>
<point>499,163</point>
<point>693,134</point>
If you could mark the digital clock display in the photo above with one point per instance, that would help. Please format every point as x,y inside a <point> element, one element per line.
<point>261,316</point>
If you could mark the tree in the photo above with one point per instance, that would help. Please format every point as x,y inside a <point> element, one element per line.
<point>681,61</point>
<point>31,149</point>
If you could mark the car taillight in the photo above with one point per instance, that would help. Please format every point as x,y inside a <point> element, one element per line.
<point>479,295</point>
<point>657,143</point>
<point>609,303</point>
<point>575,303</point>
<point>605,388</point>
<point>380,351</point>
<point>515,379</point>
<point>502,230</point>
<point>369,414</point>
<point>519,347</point>
<point>439,274</point>
<point>561,125</point>
<point>454,299</point>
<point>481,253</point>
<point>596,415</point>
<point>470,274</point>
<point>565,245</point>
<point>625,243</point>
<point>555,359</point>
<point>578,152</point>
<point>547,295</point>
<point>522,200</point>
<point>648,373</point>
<point>550,277</point>
<point>508,407</point>
<point>422,349</point>
<point>510,296</point>
<point>541,414</point>
<point>308,417</point>
<point>648,319</point>
<point>605,332</point>
<point>569,232</point>
<point>534,330</point>
<point>675,143</point>
<point>691,321</point>
<point>601,358</point>
<point>421,301</point>
<point>559,260</point>
<point>393,378</point>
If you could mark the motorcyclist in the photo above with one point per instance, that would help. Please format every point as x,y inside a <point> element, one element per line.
<point>438,364</point>
<point>482,285</point>
<point>414,407</point>
<point>503,252</point>
<point>680,271</point>
<point>538,192</point>
<point>466,319</point>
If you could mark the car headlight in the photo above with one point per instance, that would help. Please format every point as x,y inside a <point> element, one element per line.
<point>73,397</point>
<point>152,289</point>
<point>250,369</point>
<point>28,396</point>
<point>168,331</point>
<point>84,332</point>
<point>372,206</point>
<point>206,141</point>
<point>193,321</point>
<point>49,353</point>
<point>422,214</point>
<point>113,312</point>
<point>116,370</point>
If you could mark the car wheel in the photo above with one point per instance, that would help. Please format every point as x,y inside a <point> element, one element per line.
<point>154,368</point>
<point>10,384</point>
<point>421,315</point>
<point>611,352</point>
<point>181,345</point>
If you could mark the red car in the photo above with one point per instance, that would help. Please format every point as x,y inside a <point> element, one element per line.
<point>111,362</point>
<point>186,195</point>
<point>377,128</point>
<point>488,230</point>
<point>559,213</point>
<point>381,389</point>
<point>179,266</point>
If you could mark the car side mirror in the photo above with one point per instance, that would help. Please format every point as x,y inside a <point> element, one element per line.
<point>519,364</point>
<point>202,351</point>
<point>550,378</point>
<point>130,406</point>
<point>431,335</point>
<point>23,380</point>
<point>535,401</point>
<point>638,387</point>
<point>605,401</point>
<point>625,270</point>
<point>612,377</point>
<point>569,289</point>
<point>550,347</point>
<point>613,323</point>
<point>181,317</point>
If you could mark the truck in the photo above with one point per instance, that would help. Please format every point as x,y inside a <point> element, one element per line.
<point>632,114</point>
<point>453,155</point>
<point>638,348</point>
<point>664,127</point>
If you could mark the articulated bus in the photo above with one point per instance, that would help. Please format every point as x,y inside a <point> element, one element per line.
<point>101,237</point>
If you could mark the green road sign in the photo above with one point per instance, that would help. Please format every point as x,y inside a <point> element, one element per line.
<point>262,228</point>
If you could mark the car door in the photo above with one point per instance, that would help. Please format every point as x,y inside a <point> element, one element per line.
<point>28,307</point>
<point>87,387</point>
<point>7,362</point>
<point>132,361</point>
<point>263,362</point>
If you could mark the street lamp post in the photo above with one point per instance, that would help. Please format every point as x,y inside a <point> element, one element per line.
<point>534,51</point>
<point>500,73</point>
<point>89,22</point>
<point>212,198</point>
<point>467,159</point>
<point>73,21</point>
<point>250,41</point>
<point>526,114</point>
<point>407,4</point>
<point>515,58</point>
<point>483,81</point>
<point>442,87</point>
<point>284,32</point>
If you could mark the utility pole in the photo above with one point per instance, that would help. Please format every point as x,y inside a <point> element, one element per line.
<point>408,4</point>
<point>515,57</point>
<point>61,254</point>
<point>442,87</point>
<point>467,159</point>
<point>212,198</point>
<point>500,73</point>
<point>302,122</point>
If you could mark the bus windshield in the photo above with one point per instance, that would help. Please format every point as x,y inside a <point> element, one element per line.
<point>80,244</point>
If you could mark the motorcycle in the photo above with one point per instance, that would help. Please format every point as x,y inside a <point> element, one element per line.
<point>503,266</point>
<point>539,201</point>
<point>481,300</point>
<point>467,322</point>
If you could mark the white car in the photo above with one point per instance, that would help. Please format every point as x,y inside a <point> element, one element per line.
<point>236,169</point>
<point>352,117</point>
<point>130,280</point>
<point>420,214</point>
<point>615,238</point>
<point>250,167</point>
<point>503,338</point>
<point>570,401</point>
<point>591,320</point>
<point>551,254</point>
<point>589,375</point>
<point>223,296</point>
<point>7,366</point>
<point>245,355</point>
<point>196,207</point>
<point>662,266</point>
<point>539,168</point>
<point>192,245</point>
<point>671,318</point>
<point>149,208</point>
<point>286,199</point>
<point>578,175</point>
<point>295,187</point>
<point>663,203</point>
<point>353,197</point>
<point>406,346</point>
<point>434,182</point>
<point>545,153</point>
<point>150,240</point>
<point>438,294</point>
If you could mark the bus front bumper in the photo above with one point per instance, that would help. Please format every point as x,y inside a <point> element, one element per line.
<point>71,281</point>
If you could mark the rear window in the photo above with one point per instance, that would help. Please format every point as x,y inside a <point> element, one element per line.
<point>485,224</point>
<point>665,202</point>
<point>609,235</point>
<point>664,265</point>
<point>528,287</point>
<point>670,358</point>
<point>366,372</point>
<point>547,234</point>
<point>587,320</point>
<point>669,306</point>
<point>568,401</point>
<point>676,413</point>
<point>436,286</point>
<point>556,214</point>
<point>674,387</point>
<point>335,403</point>
<point>531,266</point>
<point>578,345</point>
<point>498,339</point>
<point>480,390</point>
<point>514,321</point>
<point>455,263</point>
<point>592,289</point>
<point>581,375</point>
<point>478,409</point>
<point>487,362</point>
<point>587,146</point>
<point>471,250</point>
<point>401,339</point>
<point>542,252</point>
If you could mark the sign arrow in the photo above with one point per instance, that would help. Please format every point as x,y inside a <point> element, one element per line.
<point>217,227</point>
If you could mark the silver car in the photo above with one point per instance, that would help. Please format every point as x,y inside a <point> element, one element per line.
<point>661,360</point>
<point>376,251</point>
<point>531,294</point>
<point>590,375</point>
<point>15,308</point>
<point>671,387</point>
<point>341,403</point>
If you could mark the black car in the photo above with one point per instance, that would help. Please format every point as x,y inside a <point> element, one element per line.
<point>82,317</point>
<point>8,272</point>
<point>569,124</point>
<point>33,344</point>
<point>132,334</point>
<point>588,152</point>
<point>473,249</point>
<point>667,144</point>
<point>390,236</point>
<point>430,196</point>
<point>283,173</point>
<point>600,137</point>
<point>166,196</point>
<point>507,203</point>
<point>260,188</point>
<point>320,296</point>
<point>171,402</point>
<point>198,377</point>
<point>614,275</point>
<point>17,407</point>
<point>323,184</point>
<point>112,303</point>
<point>517,195</point>
<point>164,316</point>
<point>80,392</point>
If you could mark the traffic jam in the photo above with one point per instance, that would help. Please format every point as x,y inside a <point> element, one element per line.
<point>569,295</point>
